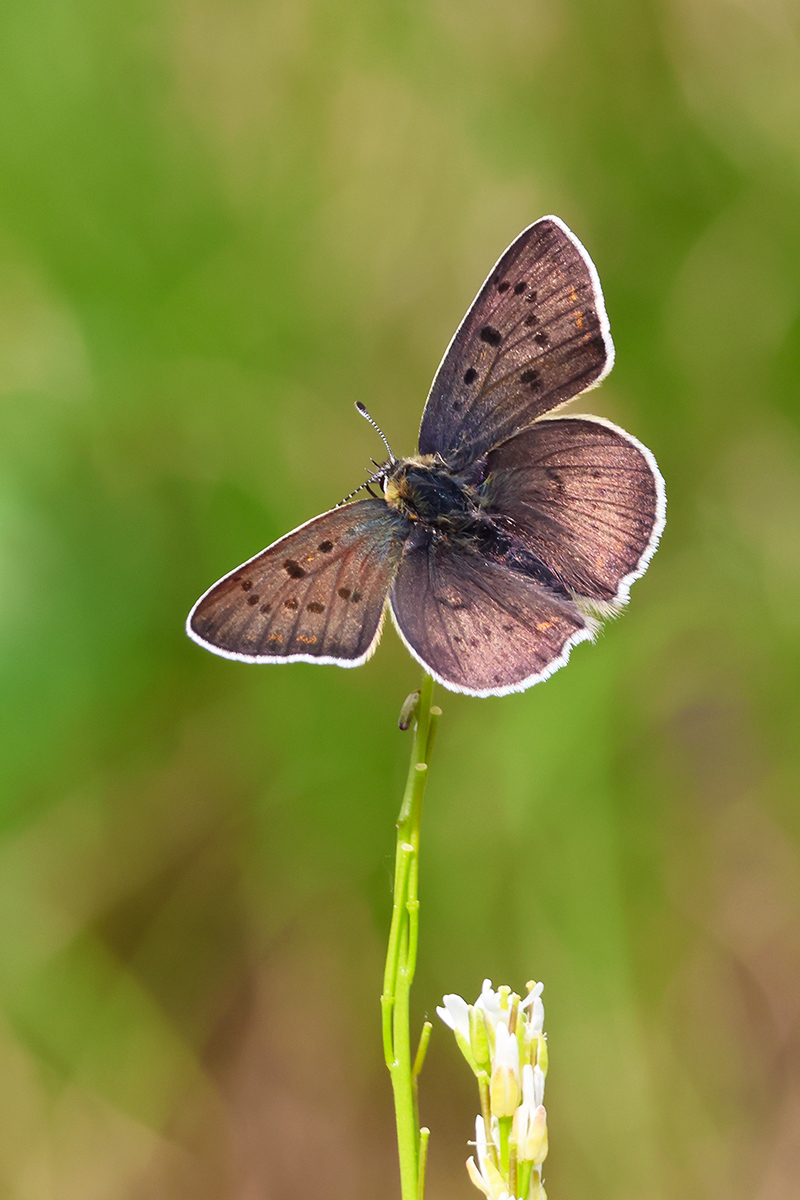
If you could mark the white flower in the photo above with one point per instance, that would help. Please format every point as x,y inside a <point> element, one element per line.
<point>491,1002</point>
<point>495,1009</point>
<point>484,1174</point>
<point>534,1001</point>
<point>459,1015</point>
<point>454,1011</point>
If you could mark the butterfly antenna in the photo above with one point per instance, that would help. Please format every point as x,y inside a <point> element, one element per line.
<point>377,429</point>
<point>376,475</point>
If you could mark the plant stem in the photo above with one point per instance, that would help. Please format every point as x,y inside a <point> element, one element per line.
<point>401,955</point>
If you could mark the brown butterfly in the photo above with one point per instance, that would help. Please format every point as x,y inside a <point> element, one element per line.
<point>496,547</point>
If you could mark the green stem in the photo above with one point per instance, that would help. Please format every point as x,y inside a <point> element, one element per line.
<point>524,1177</point>
<point>424,1135</point>
<point>401,955</point>
<point>504,1125</point>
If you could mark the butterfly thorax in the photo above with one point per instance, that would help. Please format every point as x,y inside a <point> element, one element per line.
<point>424,490</point>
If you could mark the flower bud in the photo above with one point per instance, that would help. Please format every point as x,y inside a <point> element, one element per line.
<point>479,1039</point>
<point>536,1190</point>
<point>536,1143</point>
<point>488,1179</point>
<point>504,1088</point>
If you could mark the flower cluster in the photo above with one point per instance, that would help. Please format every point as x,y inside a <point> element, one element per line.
<point>501,1038</point>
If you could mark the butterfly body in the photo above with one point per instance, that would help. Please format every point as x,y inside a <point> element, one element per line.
<point>427,491</point>
<point>496,546</point>
<point>445,505</point>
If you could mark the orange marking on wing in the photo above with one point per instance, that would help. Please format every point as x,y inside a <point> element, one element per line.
<point>544,625</point>
<point>309,641</point>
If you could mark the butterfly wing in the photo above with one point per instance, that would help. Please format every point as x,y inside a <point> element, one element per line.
<point>478,626</point>
<point>585,497</point>
<point>316,595</point>
<point>535,336</point>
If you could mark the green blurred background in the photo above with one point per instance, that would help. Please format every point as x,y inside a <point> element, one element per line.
<point>222,222</point>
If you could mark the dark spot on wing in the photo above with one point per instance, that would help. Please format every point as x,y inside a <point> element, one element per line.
<point>553,474</point>
<point>531,297</point>
<point>504,286</point>
<point>541,339</point>
<point>490,335</point>
<point>597,474</point>
<point>291,604</point>
<point>519,288</point>
<point>293,569</point>
<point>325,547</point>
<point>253,598</point>
<point>246,585</point>
<point>531,376</point>
<point>531,320</point>
<point>355,598</point>
<point>265,608</point>
<point>508,629</point>
<point>457,406</point>
<point>344,593</point>
<point>457,639</point>
<point>315,606</point>
<point>470,375</point>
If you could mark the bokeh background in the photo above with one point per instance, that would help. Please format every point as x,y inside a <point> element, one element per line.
<point>221,223</point>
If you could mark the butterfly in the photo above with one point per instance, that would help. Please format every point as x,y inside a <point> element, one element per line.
<point>499,545</point>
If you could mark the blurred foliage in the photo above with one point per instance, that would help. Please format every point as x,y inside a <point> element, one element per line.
<point>222,222</point>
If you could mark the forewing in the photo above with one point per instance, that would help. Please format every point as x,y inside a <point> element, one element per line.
<point>477,626</point>
<point>536,335</point>
<point>316,595</point>
<point>585,497</point>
